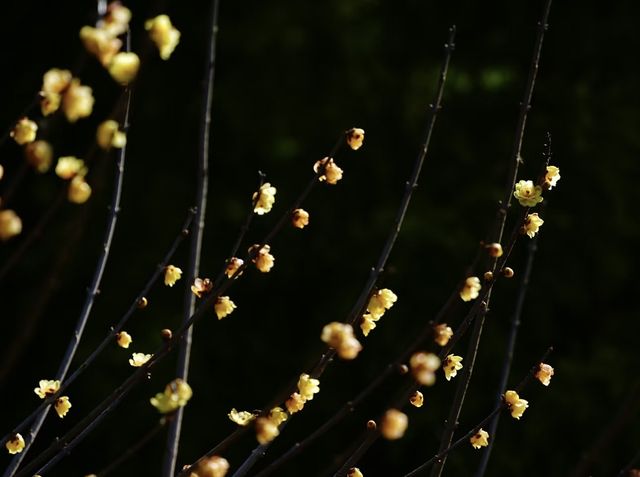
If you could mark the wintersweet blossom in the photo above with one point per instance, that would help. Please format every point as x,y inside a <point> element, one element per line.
<point>139,359</point>
<point>233,264</point>
<point>470,289</point>
<point>442,333</point>
<point>62,406</point>
<point>68,167</point>
<point>223,307</point>
<point>308,386</point>
<point>49,102</point>
<point>340,336</point>
<point>171,275</point>
<point>417,399</point>
<point>39,155</point>
<point>328,170</point>
<point>176,394</point>
<point>480,439</point>
<point>381,301</point>
<point>355,137</point>
<point>394,424</point>
<point>516,405</point>
<point>77,101</point>
<point>56,80</point>
<point>266,430</point>
<point>528,194</point>
<point>100,43</point>
<point>201,286</point>
<point>24,131</point>
<point>423,367</point>
<point>116,21</point>
<point>124,67</point>
<point>277,415</point>
<point>451,365</point>
<point>79,190</point>
<point>300,218</point>
<point>163,34</point>
<point>263,259</point>
<point>15,444</point>
<point>532,225</point>
<point>367,324</point>
<point>242,418</point>
<point>544,373</point>
<point>354,472</point>
<point>10,224</point>
<point>263,199</point>
<point>123,339</point>
<point>109,135</point>
<point>214,466</point>
<point>295,403</point>
<point>494,249</point>
<point>47,387</point>
<point>552,177</point>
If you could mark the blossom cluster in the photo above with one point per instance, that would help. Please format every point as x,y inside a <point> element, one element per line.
<point>176,395</point>
<point>380,301</point>
<point>340,337</point>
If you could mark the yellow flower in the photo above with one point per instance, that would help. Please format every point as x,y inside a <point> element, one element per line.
<point>423,367</point>
<point>49,102</point>
<point>452,364</point>
<point>15,444</point>
<point>340,336</point>
<point>10,224</point>
<point>47,387</point>
<point>308,386</point>
<point>552,177</point>
<point>24,131</point>
<point>367,324</point>
<point>470,289</point>
<point>278,416</point>
<point>354,472</point>
<point>124,67</point>
<point>56,80</point>
<point>494,249</point>
<point>171,275</point>
<point>123,339</point>
<point>163,34</point>
<point>201,286</point>
<point>480,439</point>
<point>39,155</point>
<point>242,418</point>
<point>263,199</point>
<point>233,264</point>
<point>527,194</point>
<point>355,137</point>
<point>100,43</point>
<point>263,259</point>
<point>79,190</point>
<point>138,359</point>
<point>69,167</point>
<point>394,424</point>
<point>300,218</point>
<point>328,170</point>
<point>223,307</point>
<point>116,21</point>
<point>516,405</point>
<point>77,101</point>
<point>532,224</point>
<point>108,135</point>
<point>417,399</point>
<point>295,403</point>
<point>442,334</point>
<point>62,406</point>
<point>214,466</point>
<point>544,373</point>
<point>381,301</point>
<point>266,430</point>
<point>176,394</point>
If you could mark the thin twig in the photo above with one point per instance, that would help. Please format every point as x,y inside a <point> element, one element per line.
<point>514,164</point>
<point>193,269</point>
<point>93,291</point>
<point>108,340</point>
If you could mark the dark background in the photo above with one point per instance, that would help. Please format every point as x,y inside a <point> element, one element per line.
<point>290,77</point>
